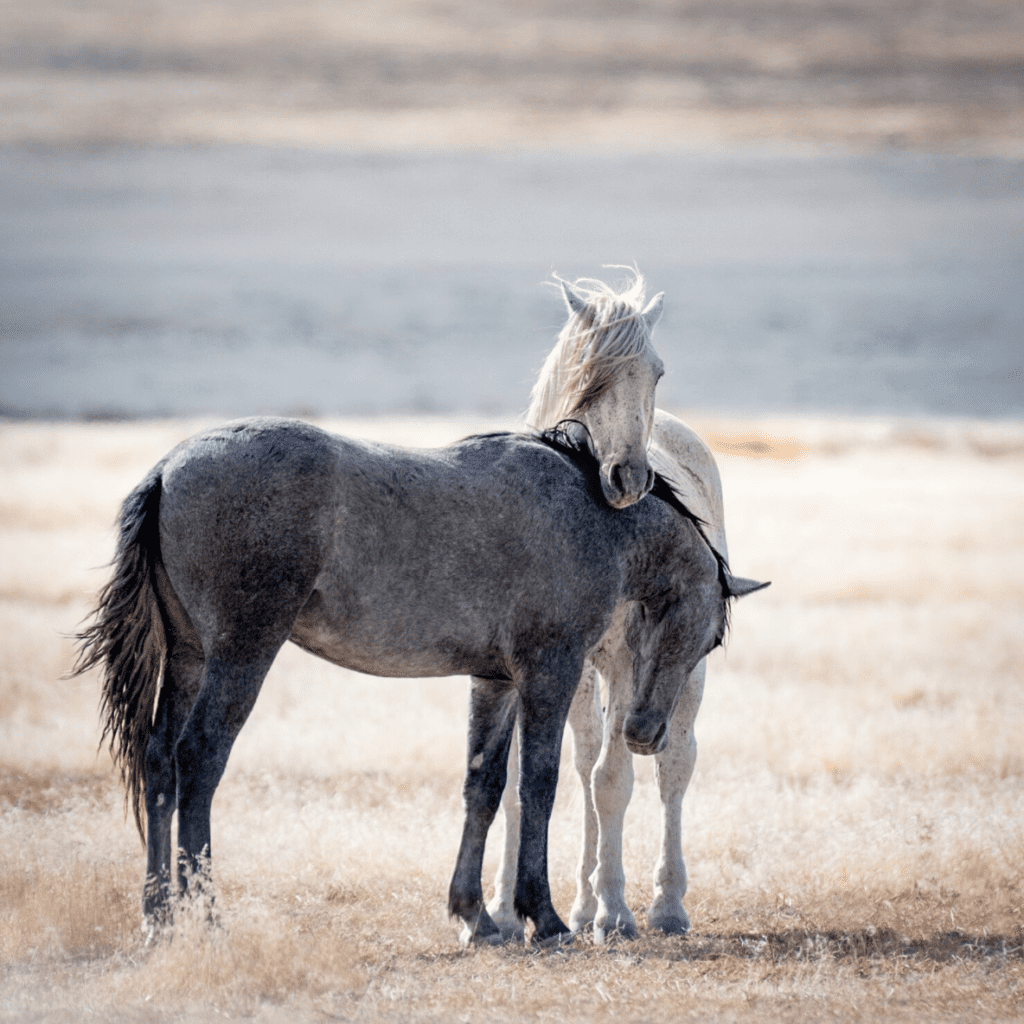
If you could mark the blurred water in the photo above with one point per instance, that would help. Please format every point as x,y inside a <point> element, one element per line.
<point>142,282</point>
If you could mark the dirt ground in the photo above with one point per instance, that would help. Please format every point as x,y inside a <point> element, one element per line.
<point>606,76</point>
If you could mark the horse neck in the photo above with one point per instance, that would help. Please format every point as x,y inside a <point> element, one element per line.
<point>652,537</point>
<point>582,354</point>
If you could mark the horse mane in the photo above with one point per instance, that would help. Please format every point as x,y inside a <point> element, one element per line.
<point>572,439</point>
<point>590,351</point>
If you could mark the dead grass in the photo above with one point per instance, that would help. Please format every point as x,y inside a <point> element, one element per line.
<point>853,831</point>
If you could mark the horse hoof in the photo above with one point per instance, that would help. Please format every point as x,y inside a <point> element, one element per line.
<point>671,925</point>
<point>620,930</point>
<point>669,921</point>
<point>510,926</point>
<point>552,941</point>
<point>468,938</point>
<point>154,932</point>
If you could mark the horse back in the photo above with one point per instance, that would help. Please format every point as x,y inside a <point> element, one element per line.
<point>388,560</point>
<point>459,560</point>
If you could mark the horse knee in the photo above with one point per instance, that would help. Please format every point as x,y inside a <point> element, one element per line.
<point>673,767</point>
<point>613,773</point>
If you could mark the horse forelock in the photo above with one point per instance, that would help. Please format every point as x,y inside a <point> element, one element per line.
<point>590,352</point>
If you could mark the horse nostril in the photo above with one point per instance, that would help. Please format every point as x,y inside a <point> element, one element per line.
<point>615,478</point>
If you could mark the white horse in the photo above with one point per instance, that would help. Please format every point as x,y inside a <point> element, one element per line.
<point>602,372</point>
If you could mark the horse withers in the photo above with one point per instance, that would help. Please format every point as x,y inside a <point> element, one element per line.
<point>495,558</point>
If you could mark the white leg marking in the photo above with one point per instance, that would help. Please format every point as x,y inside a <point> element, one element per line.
<point>674,768</point>
<point>613,786</point>
<point>502,904</point>
<point>585,723</point>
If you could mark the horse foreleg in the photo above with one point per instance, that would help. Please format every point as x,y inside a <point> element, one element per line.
<point>585,723</point>
<point>492,717</point>
<point>674,769</point>
<point>544,706</point>
<point>613,786</point>
<point>226,697</point>
<point>502,904</point>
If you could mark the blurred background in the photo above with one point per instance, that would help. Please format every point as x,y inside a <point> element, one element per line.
<point>228,207</point>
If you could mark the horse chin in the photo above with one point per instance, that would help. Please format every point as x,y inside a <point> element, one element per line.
<point>620,500</point>
<point>646,750</point>
<point>620,497</point>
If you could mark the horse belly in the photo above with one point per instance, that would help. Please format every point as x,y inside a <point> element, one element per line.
<point>397,649</point>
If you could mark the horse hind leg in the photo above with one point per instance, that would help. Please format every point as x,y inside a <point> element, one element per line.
<point>674,769</point>
<point>226,697</point>
<point>180,685</point>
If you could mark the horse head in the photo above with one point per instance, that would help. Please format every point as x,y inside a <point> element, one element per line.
<point>602,373</point>
<point>670,632</point>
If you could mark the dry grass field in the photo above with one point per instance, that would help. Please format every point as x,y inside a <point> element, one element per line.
<point>854,830</point>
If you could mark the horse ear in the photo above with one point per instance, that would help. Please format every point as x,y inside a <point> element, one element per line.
<point>740,587</point>
<point>652,314</point>
<point>574,301</point>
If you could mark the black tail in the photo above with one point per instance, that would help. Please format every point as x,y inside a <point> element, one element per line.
<point>127,638</point>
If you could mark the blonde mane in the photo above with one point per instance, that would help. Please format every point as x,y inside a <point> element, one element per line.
<point>591,349</point>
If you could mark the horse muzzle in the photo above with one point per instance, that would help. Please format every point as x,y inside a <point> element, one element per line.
<point>624,484</point>
<point>645,734</point>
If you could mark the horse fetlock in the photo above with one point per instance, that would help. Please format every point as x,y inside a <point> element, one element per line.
<point>156,895</point>
<point>549,929</point>
<point>583,912</point>
<point>502,914</point>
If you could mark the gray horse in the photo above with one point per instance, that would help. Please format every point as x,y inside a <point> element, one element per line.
<point>496,557</point>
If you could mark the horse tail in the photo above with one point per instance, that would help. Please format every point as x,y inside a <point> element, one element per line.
<point>128,639</point>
